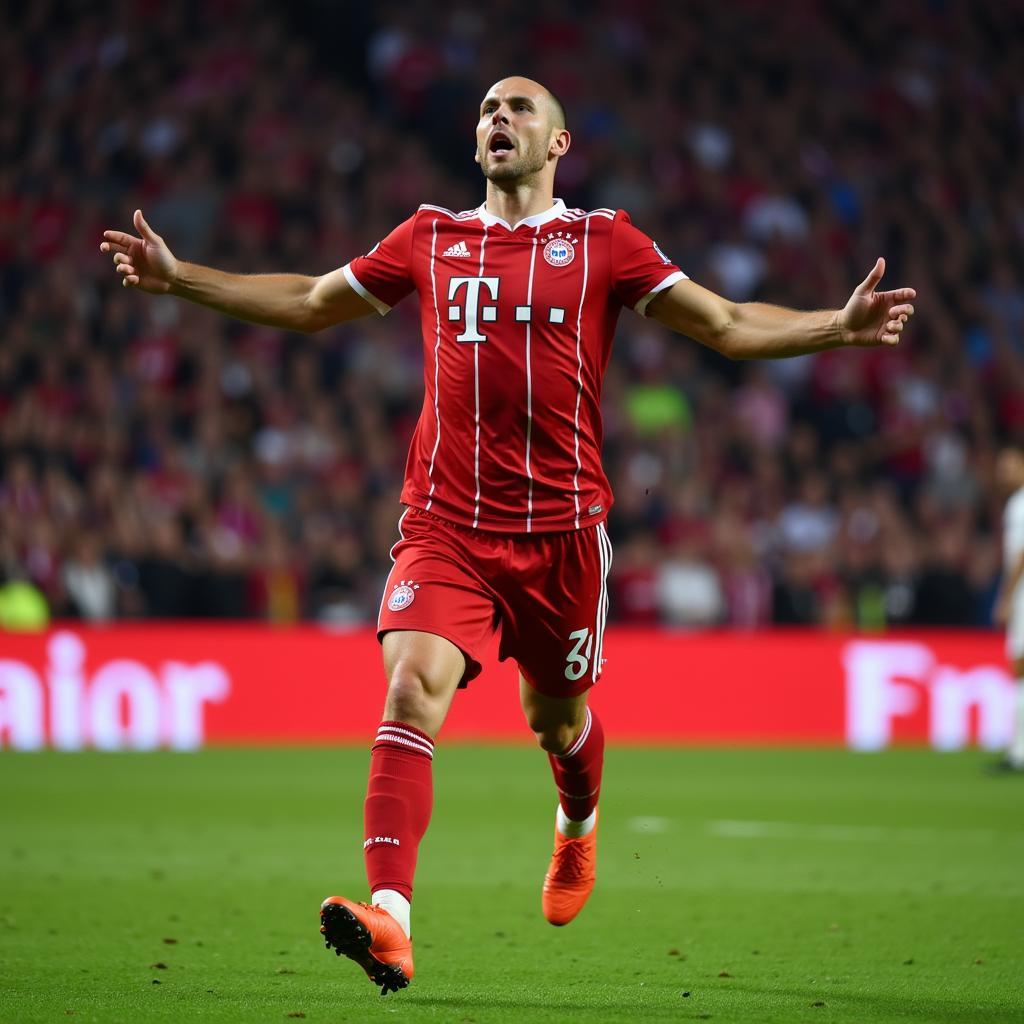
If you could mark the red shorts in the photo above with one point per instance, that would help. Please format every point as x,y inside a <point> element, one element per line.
<point>546,592</point>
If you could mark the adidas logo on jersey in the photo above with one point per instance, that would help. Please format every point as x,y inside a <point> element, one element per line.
<point>458,249</point>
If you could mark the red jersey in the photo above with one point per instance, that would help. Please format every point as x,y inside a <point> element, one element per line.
<point>517,332</point>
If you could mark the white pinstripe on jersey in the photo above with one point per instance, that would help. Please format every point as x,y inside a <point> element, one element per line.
<point>437,356</point>
<point>579,376</point>
<point>476,391</point>
<point>529,389</point>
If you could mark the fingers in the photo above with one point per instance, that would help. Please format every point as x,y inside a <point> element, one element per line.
<point>119,244</point>
<point>124,266</point>
<point>894,327</point>
<point>118,238</point>
<point>906,311</point>
<point>897,295</point>
<point>867,286</point>
<point>143,228</point>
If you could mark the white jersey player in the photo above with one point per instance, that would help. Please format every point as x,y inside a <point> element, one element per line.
<point>1010,605</point>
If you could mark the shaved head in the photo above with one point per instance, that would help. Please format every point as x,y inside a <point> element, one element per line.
<point>556,109</point>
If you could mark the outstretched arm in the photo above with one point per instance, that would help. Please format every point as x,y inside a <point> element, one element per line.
<point>293,302</point>
<point>755,330</point>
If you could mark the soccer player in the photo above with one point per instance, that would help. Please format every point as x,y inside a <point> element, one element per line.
<point>1009,610</point>
<point>505,498</point>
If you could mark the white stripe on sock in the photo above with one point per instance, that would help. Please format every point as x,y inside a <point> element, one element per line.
<point>577,796</point>
<point>406,732</point>
<point>581,739</point>
<point>412,737</point>
<point>429,751</point>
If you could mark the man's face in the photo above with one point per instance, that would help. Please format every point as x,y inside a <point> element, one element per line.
<point>514,134</point>
<point>1010,469</point>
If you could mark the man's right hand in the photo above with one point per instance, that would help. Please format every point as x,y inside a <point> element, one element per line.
<point>145,263</point>
<point>290,302</point>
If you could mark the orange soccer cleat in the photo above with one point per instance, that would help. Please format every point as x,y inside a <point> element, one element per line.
<point>570,877</point>
<point>371,937</point>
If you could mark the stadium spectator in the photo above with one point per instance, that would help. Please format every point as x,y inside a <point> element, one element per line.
<point>180,443</point>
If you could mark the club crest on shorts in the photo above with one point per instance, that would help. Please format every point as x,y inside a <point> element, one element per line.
<point>559,252</point>
<point>403,595</point>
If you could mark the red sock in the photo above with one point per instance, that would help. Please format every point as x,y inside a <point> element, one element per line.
<point>399,799</point>
<point>578,771</point>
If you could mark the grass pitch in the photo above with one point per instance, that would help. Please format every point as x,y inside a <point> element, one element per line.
<point>754,886</point>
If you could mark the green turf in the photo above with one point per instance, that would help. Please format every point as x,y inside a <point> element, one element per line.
<point>768,885</point>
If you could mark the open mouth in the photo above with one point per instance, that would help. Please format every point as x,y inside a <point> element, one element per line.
<point>500,143</point>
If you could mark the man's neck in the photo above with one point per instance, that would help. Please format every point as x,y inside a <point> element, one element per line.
<point>515,202</point>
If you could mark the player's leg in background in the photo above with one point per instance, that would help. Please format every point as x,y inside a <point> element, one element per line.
<point>553,625</point>
<point>1015,755</point>
<point>574,740</point>
<point>423,671</point>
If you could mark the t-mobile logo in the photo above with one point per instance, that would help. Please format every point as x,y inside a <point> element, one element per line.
<point>486,314</point>
<point>476,313</point>
<point>373,840</point>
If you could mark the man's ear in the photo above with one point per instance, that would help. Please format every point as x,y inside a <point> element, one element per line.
<point>560,142</point>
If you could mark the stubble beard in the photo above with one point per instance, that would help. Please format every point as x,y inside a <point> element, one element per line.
<point>523,167</point>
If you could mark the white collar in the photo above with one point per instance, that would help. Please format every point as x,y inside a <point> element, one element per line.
<point>535,221</point>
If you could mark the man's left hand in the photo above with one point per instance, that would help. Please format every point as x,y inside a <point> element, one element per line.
<point>875,318</point>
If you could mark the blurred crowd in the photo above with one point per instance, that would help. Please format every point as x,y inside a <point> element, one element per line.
<point>158,460</point>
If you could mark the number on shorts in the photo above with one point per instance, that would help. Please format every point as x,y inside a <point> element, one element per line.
<point>577,663</point>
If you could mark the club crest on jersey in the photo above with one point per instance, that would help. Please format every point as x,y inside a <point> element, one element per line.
<point>559,249</point>
<point>402,595</point>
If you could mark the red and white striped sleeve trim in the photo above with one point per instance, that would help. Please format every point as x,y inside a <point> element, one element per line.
<point>461,215</point>
<point>382,307</point>
<point>676,275</point>
<point>571,215</point>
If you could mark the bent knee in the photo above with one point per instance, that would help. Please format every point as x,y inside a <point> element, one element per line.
<point>557,738</point>
<point>407,693</point>
<point>414,698</point>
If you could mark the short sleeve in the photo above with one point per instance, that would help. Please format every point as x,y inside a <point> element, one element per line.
<point>639,268</point>
<point>384,275</point>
